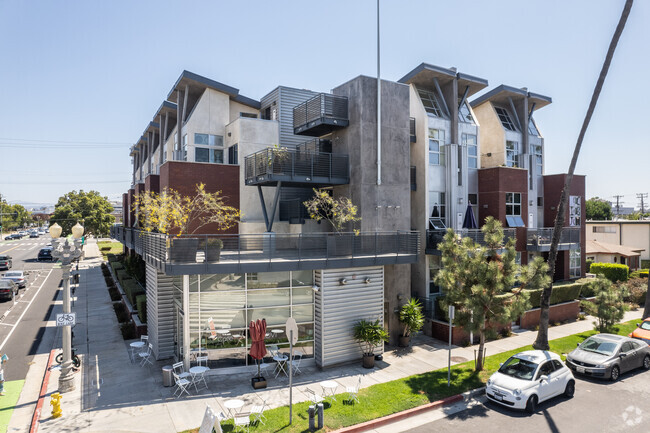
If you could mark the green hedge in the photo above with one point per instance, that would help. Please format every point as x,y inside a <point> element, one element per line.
<point>614,272</point>
<point>141,305</point>
<point>132,290</point>
<point>588,265</point>
<point>123,276</point>
<point>564,293</point>
<point>641,273</point>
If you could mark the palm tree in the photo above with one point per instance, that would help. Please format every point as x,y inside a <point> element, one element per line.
<point>542,335</point>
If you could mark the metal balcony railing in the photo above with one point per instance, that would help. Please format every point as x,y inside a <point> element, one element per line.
<point>320,115</point>
<point>271,165</point>
<point>266,252</point>
<point>540,239</point>
<point>434,237</point>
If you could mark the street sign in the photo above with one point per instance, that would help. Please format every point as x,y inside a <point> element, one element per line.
<point>292,326</point>
<point>66,319</point>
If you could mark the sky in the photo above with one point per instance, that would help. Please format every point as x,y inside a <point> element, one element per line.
<point>82,79</point>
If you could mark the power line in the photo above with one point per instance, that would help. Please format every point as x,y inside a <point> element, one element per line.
<point>641,196</point>
<point>618,203</point>
<point>65,141</point>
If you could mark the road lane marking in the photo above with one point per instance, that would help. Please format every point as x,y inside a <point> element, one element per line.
<point>25,311</point>
<point>4,252</point>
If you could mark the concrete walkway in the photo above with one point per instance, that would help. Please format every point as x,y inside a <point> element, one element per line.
<point>114,395</point>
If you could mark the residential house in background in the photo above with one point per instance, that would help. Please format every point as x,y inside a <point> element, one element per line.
<point>634,235</point>
<point>601,252</point>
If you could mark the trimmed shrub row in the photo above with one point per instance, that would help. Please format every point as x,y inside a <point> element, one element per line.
<point>564,293</point>
<point>121,312</point>
<point>641,273</point>
<point>141,305</point>
<point>132,290</point>
<point>614,272</point>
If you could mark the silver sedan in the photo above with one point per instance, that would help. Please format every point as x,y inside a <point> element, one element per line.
<point>607,356</point>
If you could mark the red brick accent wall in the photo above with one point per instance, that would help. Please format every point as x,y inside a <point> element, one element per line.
<point>185,176</point>
<point>131,211</point>
<point>152,183</point>
<point>557,313</point>
<point>125,209</point>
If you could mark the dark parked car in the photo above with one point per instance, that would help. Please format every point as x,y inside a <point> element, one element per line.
<point>8,289</point>
<point>13,236</point>
<point>608,355</point>
<point>5,262</point>
<point>33,235</point>
<point>45,254</point>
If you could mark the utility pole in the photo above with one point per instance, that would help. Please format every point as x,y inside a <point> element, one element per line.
<point>618,197</point>
<point>641,196</point>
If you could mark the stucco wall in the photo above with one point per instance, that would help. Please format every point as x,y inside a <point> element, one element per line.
<point>492,134</point>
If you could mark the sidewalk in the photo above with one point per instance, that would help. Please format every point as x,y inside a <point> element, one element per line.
<point>112,394</point>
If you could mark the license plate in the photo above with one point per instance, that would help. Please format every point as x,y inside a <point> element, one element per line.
<point>498,397</point>
<point>580,369</point>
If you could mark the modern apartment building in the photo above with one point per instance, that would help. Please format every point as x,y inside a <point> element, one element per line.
<point>440,160</point>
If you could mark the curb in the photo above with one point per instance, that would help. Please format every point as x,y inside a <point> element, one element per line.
<point>41,396</point>
<point>399,416</point>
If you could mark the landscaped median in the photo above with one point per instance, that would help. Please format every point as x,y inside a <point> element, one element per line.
<point>399,395</point>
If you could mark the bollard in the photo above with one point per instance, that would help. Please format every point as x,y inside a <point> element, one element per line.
<point>55,402</point>
<point>320,416</point>
<point>311,411</point>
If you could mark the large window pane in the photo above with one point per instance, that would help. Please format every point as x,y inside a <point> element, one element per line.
<point>266,280</point>
<point>303,295</point>
<point>201,139</point>
<point>268,298</point>
<point>275,317</point>
<point>302,278</point>
<point>303,313</point>
<point>201,154</point>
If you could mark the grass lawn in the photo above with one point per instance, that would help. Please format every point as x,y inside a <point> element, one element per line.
<point>109,247</point>
<point>8,402</point>
<point>401,394</point>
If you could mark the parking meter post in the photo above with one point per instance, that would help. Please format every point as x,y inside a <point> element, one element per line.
<point>311,411</point>
<point>452,312</point>
<point>320,416</point>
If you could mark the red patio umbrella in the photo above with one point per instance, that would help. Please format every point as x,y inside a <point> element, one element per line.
<point>258,349</point>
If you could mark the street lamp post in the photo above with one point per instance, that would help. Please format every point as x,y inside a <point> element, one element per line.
<point>66,252</point>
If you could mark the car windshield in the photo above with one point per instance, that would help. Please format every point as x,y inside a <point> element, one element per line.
<point>518,368</point>
<point>5,284</point>
<point>12,274</point>
<point>645,325</point>
<point>597,345</point>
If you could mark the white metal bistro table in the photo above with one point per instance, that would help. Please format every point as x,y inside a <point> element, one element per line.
<point>281,364</point>
<point>223,335</point>
<point>135,348</point>
<point>329,388</point>
<point>276,332</point>
<point>198,375</point>
<point>233,405</point>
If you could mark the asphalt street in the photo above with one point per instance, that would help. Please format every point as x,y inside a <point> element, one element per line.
<point>598,406</point>
<point>24,329</point>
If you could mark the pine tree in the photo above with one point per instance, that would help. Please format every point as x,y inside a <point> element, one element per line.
<point>478,280</point>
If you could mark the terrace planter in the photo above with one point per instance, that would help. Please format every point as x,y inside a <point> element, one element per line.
<point>183,249</point>
<point>404,341</point>
<point>368,360</point>
<point>258,382</point>
<point>213,250</point>
<point>339,246</point>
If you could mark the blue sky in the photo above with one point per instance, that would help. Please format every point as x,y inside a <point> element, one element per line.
<point>83,78</point>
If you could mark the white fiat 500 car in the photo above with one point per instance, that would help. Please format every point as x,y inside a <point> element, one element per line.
<point>529,378</point>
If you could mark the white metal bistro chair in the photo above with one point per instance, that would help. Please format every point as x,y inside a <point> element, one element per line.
<point>313,397</point>
<point>353,391</point>
<point>273,349</point>
<point>197,378</point>
<point>295,363</point>
<point>257,411</point>
<point>181,386</point>
<point>179,369</point>
<point>145,357</point>
<point>242,421</point>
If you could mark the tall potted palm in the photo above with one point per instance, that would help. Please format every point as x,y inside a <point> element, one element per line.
<point>369,335</point>
<point>411,316</point>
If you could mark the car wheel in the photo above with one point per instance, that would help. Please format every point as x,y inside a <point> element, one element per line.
<point>646,362</point>
<point>531,404</point>
<point>616,372</point>
<point>570,389</point>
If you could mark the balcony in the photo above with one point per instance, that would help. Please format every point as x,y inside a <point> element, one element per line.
<point>320,115</point>
<point>434,237</point>
<point>272,165</point>
<point>540,239</point>
<point>268,252</point>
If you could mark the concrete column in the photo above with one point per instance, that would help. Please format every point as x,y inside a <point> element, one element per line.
<point>141,162</point>
<point>133,163</point>
<point>149,151</point>
<point>161,141</point>
<point>186,321</point>
<point>179,124</point>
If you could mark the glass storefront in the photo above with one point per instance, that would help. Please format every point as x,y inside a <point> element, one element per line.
<point>222,305</point>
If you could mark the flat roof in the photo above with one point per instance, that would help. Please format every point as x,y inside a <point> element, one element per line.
<point>198,83</point>
<point>424,73</point>
<point>501,93</point>
<point>165,107</point>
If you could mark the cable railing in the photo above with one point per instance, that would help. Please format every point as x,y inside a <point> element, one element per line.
<point>541,238</point>
<point>435,236</point>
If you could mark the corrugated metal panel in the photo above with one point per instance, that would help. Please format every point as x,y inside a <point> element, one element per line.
<point>286,98</point>
<point>160,313</point>
<point>338,307</point>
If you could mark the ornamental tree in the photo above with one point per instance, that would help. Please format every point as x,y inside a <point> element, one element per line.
<point>336,211</point>
<point>171,212</point>
<point>608,305</point>
<point>479,281</point>
<point>90,208</point>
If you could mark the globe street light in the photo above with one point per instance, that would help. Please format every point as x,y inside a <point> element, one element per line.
<point>66,252</point>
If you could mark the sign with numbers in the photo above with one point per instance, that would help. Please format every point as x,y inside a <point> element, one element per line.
<point>66,319</point>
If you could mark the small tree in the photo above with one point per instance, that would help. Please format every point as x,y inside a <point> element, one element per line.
<point>169,211</point>
<point>608,306</point>
<point>337,212</point>
<point>89,207</point>
<point>369,334</point>
<point>410,315</point>
<point>478,281</point>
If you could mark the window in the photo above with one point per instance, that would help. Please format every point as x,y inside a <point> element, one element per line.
<point>248,115</point>
<point>537,149</point>
<point>545,370</point>
<point>574,263</point>
<point>434,267</point>
<point>469,140</point>
<point>464,114</point>
<point>437,210</point>
<point>233,154</point>
<point>184,149</point>
<point>532,129</point>
<point>540,201</point>
<point>574,211</point>
<point>430,102</point>
<point>604,229</point>
<point>436,147</point>
<point>505,118</point>
<point>213,152</point>
<point>513,210</point>
<point>512,153</point>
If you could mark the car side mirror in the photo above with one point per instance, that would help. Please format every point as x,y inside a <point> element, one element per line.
<point>577,344</point>
<point>623,355</point>
<point>501,364</point>
<point>638,325</point>
<point>543,378</point>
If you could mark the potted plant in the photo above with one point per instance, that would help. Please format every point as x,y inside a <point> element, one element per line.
<point>369,335</point>
<point>213,248</point>
<point>410,315</point>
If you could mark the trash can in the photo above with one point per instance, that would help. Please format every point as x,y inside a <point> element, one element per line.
<point>168,376</point>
